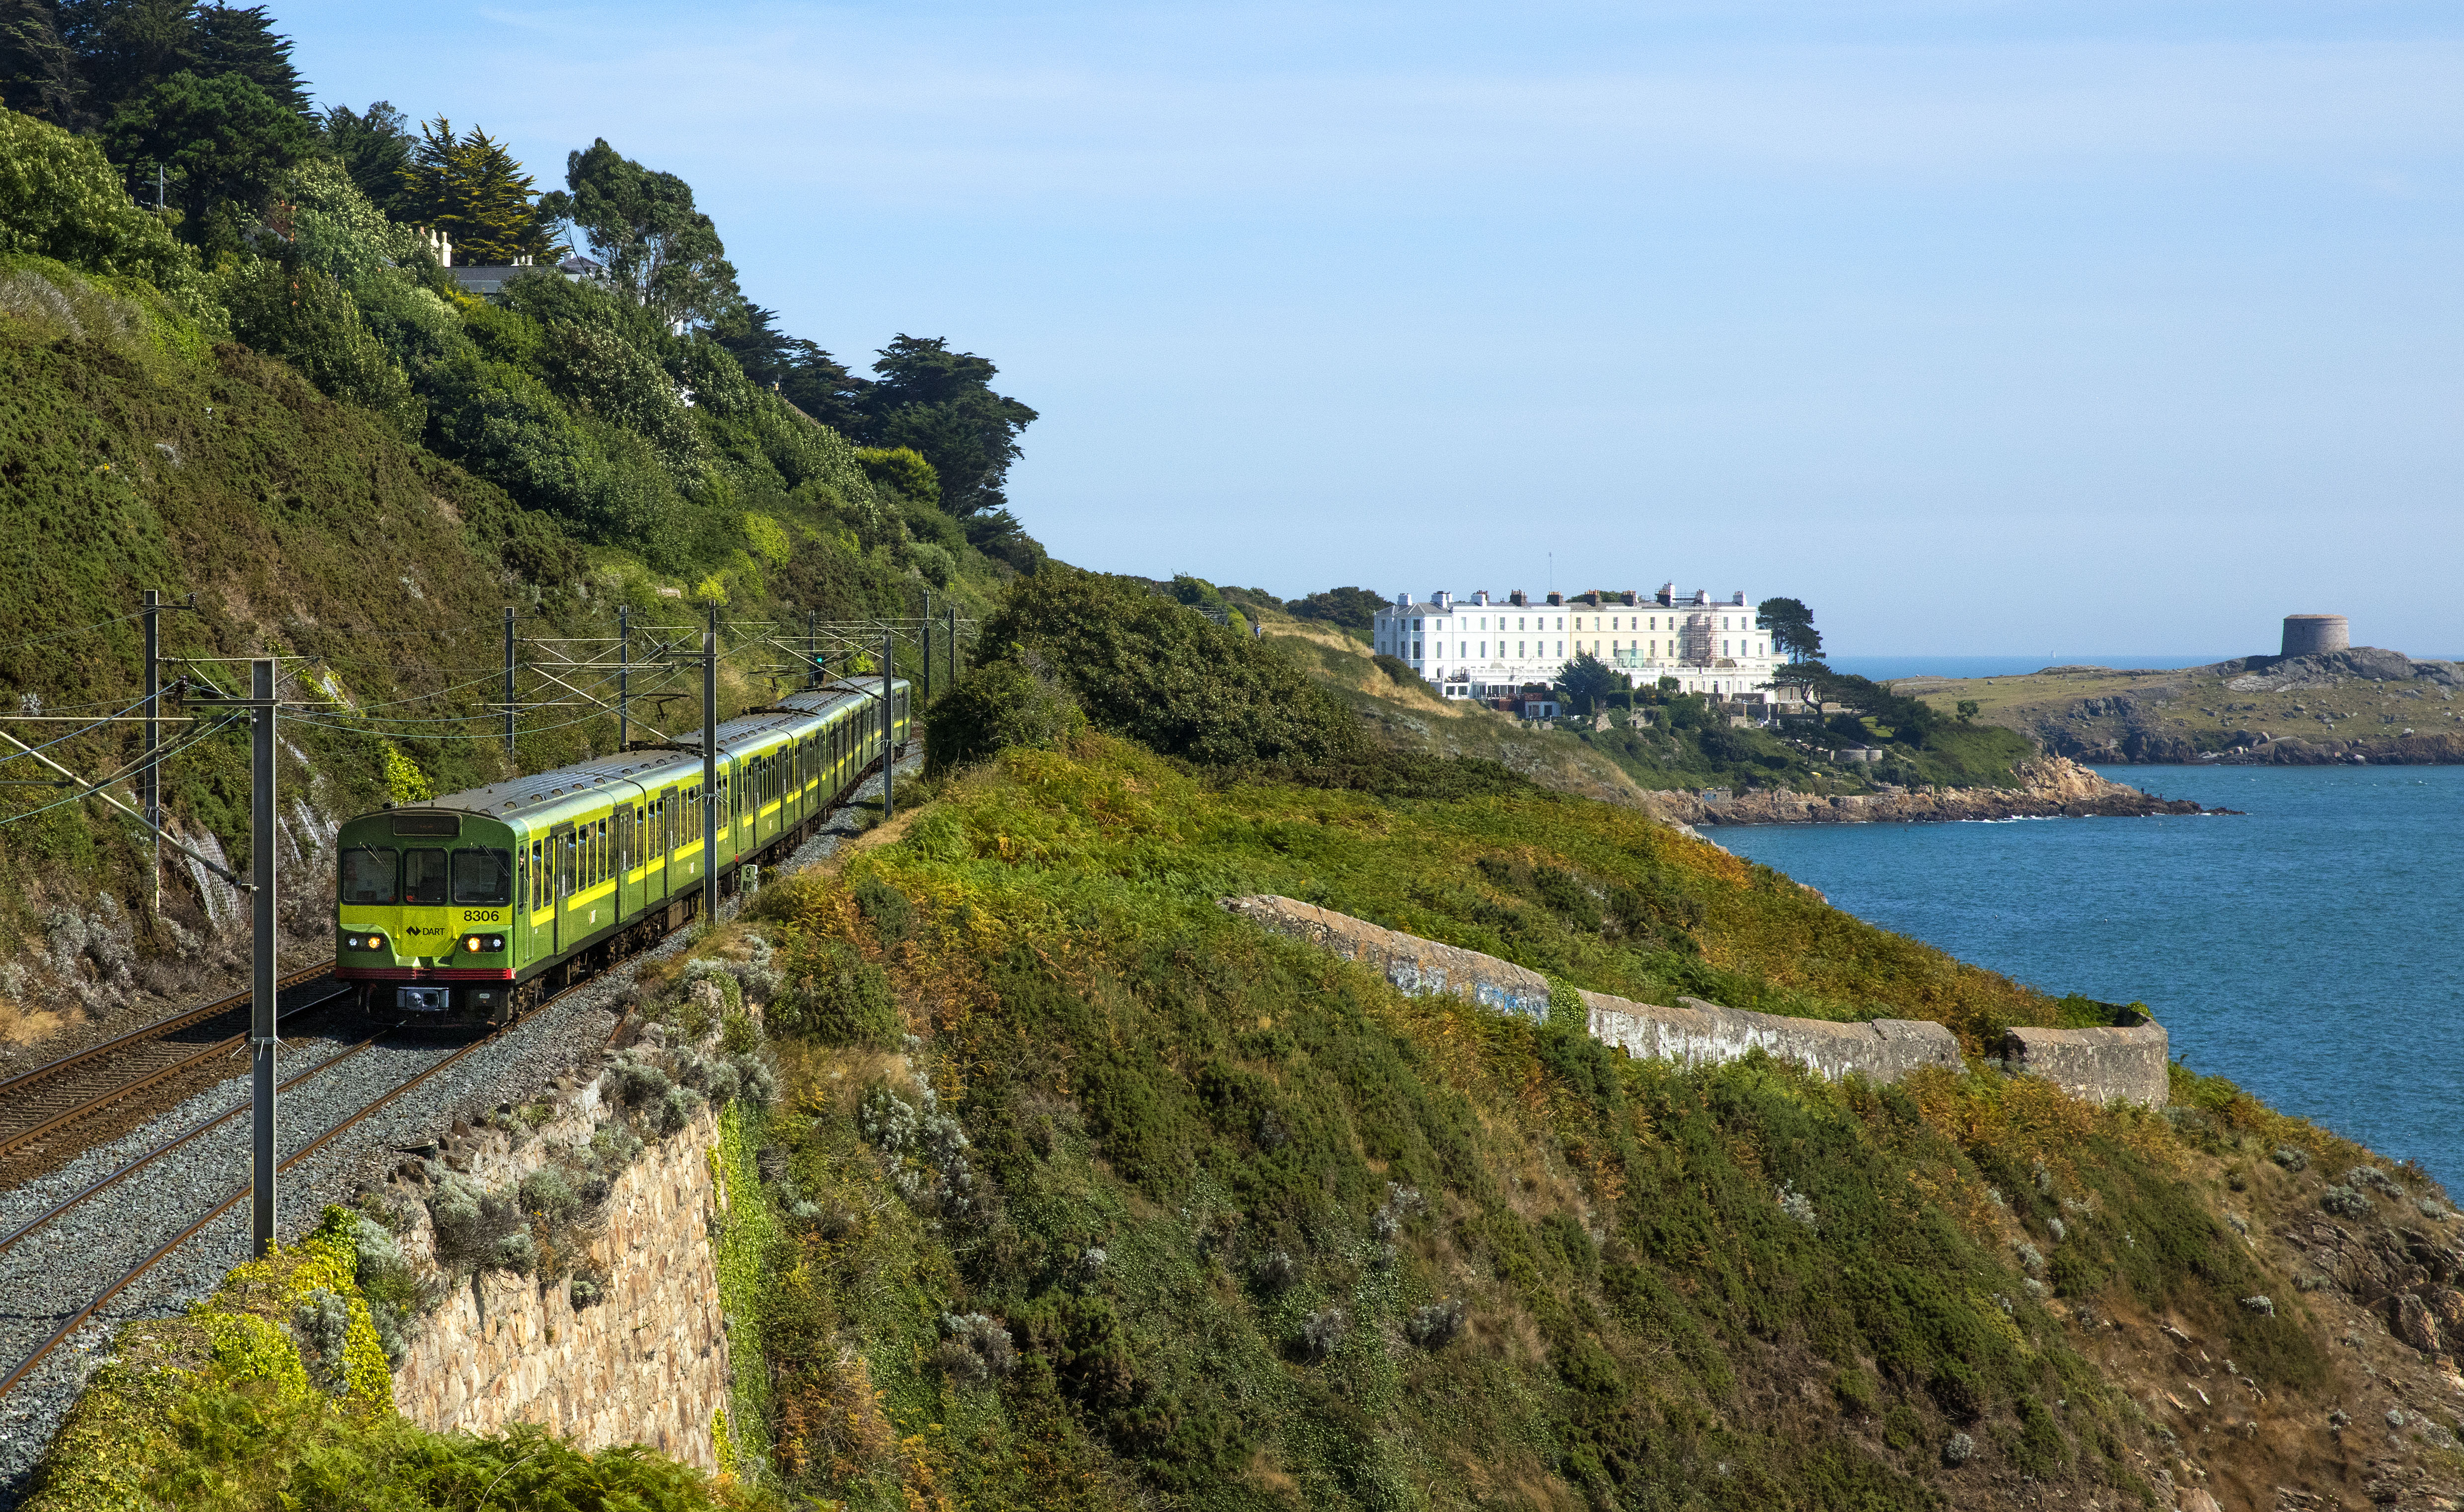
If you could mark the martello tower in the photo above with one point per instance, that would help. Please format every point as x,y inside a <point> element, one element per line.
<point>2309,634</point>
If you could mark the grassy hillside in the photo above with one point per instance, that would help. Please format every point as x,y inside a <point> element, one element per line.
<point>1258,1231</point>
<point>1081,1192</point>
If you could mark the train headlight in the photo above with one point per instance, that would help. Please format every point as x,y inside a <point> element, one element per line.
<point>363,942</point>
<point>476,944</point>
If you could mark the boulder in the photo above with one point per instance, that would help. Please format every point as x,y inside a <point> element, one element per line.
<point>2447,1305</point>
<point>2411,1319</point>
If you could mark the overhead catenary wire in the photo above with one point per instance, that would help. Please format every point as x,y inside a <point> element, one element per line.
<point>161,755</point>
<point>73,734</point>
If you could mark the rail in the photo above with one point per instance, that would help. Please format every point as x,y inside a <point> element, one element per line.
<point>37,1086</point>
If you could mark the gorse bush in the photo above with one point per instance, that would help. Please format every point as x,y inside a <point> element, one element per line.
<point>996,708</point>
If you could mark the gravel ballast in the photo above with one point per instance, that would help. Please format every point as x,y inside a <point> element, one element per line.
<point>59,1267</point>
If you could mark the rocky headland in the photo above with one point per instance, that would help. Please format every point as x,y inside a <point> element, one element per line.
<point>2344,707</point>
<point>2051,787</point>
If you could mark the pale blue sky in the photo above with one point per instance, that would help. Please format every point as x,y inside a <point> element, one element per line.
<point>2078,329</point>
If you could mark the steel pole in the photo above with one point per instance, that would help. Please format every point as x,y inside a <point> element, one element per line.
<point>262,1044</point>
<point>813,670</point>
<point>889,730</point>
<point>926,694</point>
<point>710,769</point>
<point>153,786</point>
<point>954,645</point>
<point>623,671</point>
<point>508,682</point>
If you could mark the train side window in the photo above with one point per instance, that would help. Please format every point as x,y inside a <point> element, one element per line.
<point>423,876</point>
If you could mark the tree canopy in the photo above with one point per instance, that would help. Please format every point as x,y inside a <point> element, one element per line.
<point>1792,628</point>
<point>942,403</point>
<point>121,49</point>
<point>38,70</point>
<point>804,374</point>
<point>472,189</point>
<point>374,148</point>
<point>642,226</point>
<point>1585,680</point>
<point>222,142</point>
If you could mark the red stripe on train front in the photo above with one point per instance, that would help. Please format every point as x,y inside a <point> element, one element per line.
<point>424,974</point>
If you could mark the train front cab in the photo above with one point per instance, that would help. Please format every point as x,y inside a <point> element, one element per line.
<point>424,916</point>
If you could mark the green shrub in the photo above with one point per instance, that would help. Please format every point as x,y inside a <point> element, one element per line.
<point>1143,667</point>
<point>60,198</point>
<point>993,709</point>
<point>835,995</point>
<point>302,315</point>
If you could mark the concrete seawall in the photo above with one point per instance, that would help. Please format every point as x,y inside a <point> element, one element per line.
<point>1700,1033</point>
<point>1421,968</point>
<point>2103,1065</point>
<point>2100,1065</point>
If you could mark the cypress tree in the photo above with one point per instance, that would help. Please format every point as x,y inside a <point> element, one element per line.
<point>473,190</point>
<point>234,40</point>
<point>38,73</point>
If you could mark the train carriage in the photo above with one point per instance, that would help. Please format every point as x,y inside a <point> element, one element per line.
<point>479,904</point>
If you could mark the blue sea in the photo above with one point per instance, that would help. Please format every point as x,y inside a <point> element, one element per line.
<point>2308,948</point>
<point>1883,669</point>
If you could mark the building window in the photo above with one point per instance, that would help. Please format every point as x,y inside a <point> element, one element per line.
<point>1415,650</point>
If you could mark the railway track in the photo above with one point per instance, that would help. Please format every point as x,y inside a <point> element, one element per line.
<point>78,1318</point>
<point>61,1268</point>
<point>49,1099</point>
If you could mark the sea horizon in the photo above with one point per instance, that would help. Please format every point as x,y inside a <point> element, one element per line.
<point>1883,666</point>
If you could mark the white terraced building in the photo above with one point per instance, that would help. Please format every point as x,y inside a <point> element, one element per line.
<point>1484,648</point>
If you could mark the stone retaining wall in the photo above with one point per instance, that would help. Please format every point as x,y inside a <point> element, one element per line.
<point>646,1364</point>
<point>2100,1065</point>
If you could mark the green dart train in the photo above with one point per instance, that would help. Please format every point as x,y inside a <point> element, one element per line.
<point>478,905</point>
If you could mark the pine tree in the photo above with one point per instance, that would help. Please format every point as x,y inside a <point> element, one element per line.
<point>472,189</point>
<point>123,48</point>
<point>126,47</point>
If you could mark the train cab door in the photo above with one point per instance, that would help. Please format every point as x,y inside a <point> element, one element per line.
<point>562,855</point>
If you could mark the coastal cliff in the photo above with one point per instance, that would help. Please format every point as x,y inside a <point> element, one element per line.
<point>2051,787</point>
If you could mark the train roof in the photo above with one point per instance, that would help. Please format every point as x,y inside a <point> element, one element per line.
<point>545,792</point>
